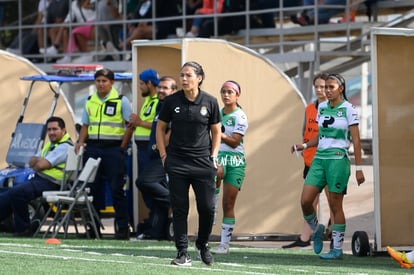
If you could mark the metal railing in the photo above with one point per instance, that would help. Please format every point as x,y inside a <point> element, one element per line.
<point>287,43</point>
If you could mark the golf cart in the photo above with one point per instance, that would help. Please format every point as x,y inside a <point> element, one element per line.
<point>28,138</point>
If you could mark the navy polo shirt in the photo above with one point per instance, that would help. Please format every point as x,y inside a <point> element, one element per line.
<point>152,137</point>
<point>190,123</point>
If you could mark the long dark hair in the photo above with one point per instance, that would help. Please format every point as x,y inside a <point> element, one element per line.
<point>197,69</point>
<point>323,76</point>
<point>341,81</point>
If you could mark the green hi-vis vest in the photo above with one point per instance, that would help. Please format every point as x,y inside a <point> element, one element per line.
<point>57,171</point>
<point>105,118</point>
<point>147,114</point>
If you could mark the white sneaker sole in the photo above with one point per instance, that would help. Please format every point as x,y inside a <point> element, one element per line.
<point>221,252</point>
<point>173,262</point>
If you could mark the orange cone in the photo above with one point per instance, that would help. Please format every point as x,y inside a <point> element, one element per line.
<point>53,241</point>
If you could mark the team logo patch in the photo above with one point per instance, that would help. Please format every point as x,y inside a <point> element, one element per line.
<point>203,110</point>
<point>230,121</point>
<point>340,112</point>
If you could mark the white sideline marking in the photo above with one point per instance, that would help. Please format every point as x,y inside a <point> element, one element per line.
<point>129,262</point>
<point>79,248</point>
<point>63,257</point>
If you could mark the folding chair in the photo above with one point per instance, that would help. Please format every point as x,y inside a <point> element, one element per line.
<point>72,169</point>
<point>77,200</point>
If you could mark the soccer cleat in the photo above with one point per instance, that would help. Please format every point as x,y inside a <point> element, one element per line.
<point>297,243</point>
<point>204,254</point>
<point>334,254</point>
<point>182,259</point>
<point>399,257</point>
<point>318,238</point>
<point>221,249</point>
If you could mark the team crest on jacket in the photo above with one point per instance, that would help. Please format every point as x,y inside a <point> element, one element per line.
<point>203,110</point>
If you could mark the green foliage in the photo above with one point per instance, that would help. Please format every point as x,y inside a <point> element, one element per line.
<point>76,256</point>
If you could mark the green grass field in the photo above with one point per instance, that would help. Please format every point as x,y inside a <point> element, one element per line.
<point>76,256</point>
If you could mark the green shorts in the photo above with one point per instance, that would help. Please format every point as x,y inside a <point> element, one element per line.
<point>332,172</point>
<point>234,167</point>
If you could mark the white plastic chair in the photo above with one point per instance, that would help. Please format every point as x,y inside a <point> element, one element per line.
<point>77,199</point>
<point>72,169</point>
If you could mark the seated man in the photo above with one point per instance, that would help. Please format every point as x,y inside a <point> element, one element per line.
<point>48,165</point>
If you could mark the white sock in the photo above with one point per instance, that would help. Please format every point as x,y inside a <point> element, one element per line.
<point>226,233</point>
<point>410,256</point>
<point>338,239</point>
<point>312,220</point>
<point>216,199</point>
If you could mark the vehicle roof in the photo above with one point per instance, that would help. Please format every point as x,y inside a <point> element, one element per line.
<point>76,78</point>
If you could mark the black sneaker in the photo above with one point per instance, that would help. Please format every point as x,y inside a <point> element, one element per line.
<point>204,254</point>
<point>90,235</point>
<point>182,259</point>
<point>122,234</point>
<point>297,243</point>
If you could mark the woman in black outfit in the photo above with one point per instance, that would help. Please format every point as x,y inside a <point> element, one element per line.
<point>191,157</point>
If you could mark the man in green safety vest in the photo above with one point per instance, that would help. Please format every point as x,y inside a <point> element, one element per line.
<point>48,166</point>
<point>148,82</point>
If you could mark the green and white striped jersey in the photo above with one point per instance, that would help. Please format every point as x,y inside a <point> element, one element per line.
<point>234,122</point>
<point>334,135</point>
